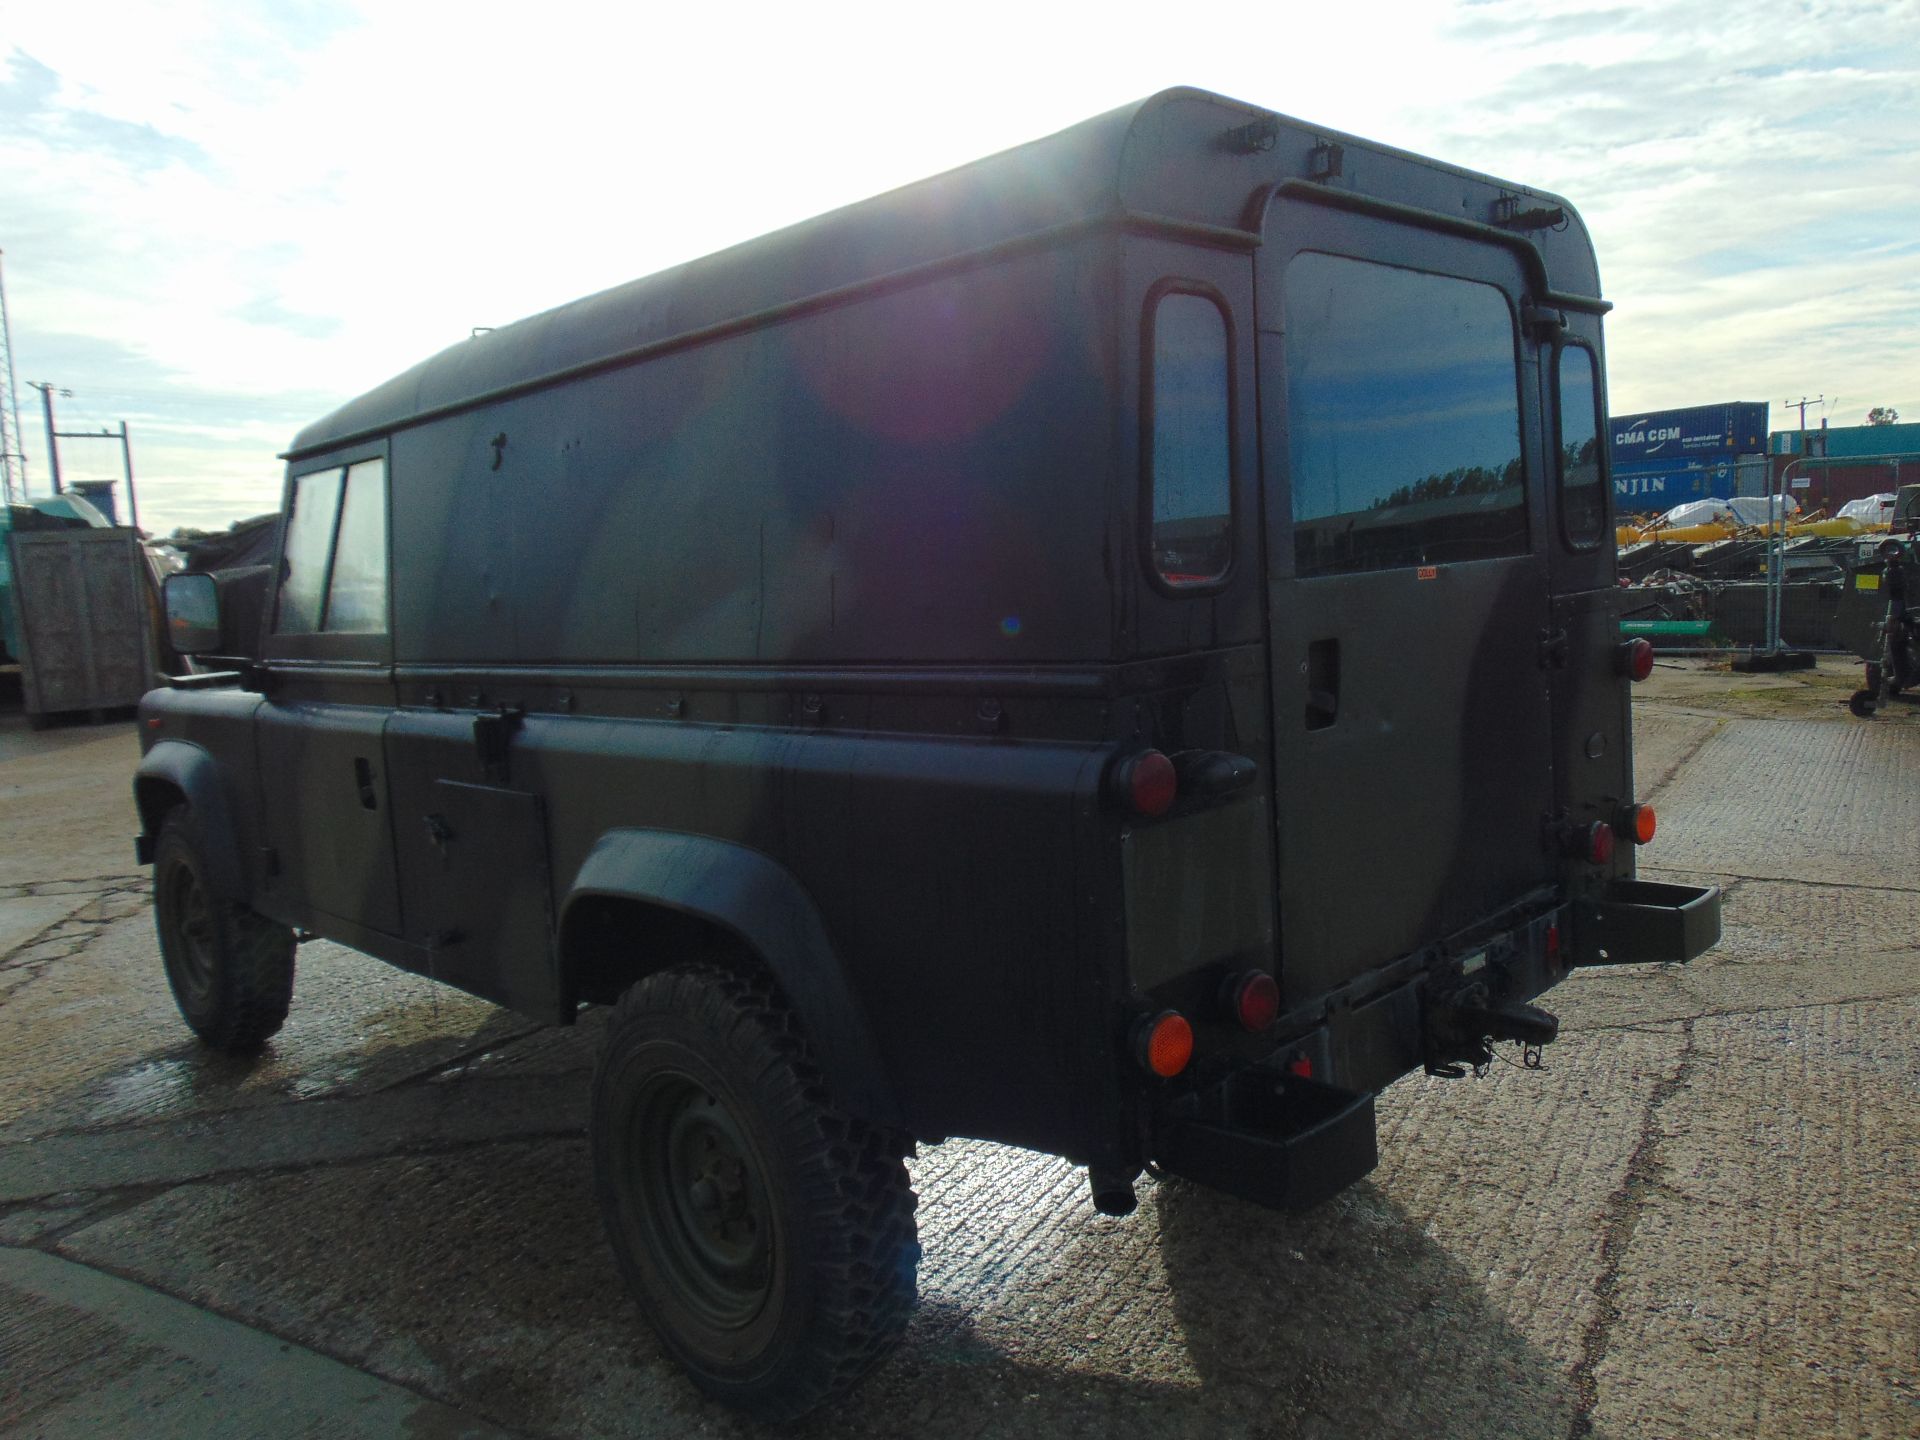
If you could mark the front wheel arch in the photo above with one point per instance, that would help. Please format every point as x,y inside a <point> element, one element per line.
<point>230,969</point>
<point>174,775</point>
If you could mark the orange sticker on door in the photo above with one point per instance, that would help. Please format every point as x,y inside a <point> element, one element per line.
<point>1428,572</point>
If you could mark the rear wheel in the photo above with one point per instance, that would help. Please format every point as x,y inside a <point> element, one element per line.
<point>767,1235</point>
<point>230,969</point>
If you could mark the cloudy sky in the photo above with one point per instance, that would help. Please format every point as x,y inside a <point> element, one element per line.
<point>220,218</point>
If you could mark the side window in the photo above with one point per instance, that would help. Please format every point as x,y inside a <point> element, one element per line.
<point>303,572</point>
<point>333,578</point>
<point>1583,490</point>
<point>1188,412</point>
<point>357,594</point>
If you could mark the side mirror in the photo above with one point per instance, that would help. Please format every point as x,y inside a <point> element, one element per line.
<point>216,612</point>
<point>193,613</point>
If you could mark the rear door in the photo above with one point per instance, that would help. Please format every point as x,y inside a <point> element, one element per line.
<point>1407,586</point>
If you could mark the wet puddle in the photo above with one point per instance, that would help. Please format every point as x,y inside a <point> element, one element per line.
<point>157,1089</point>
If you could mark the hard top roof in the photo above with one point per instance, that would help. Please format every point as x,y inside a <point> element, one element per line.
<point>1183,157</point>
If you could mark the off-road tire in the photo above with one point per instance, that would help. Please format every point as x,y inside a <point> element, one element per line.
<point>230,969</point>
<point>793,1272</point>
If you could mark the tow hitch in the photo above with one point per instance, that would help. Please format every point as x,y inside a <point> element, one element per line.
<point>1461,1027</point>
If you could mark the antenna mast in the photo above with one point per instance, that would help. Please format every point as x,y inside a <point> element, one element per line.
<point>13,460</point>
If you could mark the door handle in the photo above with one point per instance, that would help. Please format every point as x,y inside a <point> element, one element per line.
<point>1323,683</point>
<point>363,777</point>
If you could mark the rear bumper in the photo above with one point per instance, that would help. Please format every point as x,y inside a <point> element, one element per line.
<point>1257,1130</point>
<point>1644,921</point>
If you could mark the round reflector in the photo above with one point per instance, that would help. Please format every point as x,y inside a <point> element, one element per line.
<point>1599,842</point>
<point>1636,658</point>
<point>1166,1044</point>
<point>1150,783</point>
<point>1254,999</point>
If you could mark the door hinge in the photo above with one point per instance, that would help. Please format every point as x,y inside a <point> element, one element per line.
<point>1543,324</point>
<point>490,736</point>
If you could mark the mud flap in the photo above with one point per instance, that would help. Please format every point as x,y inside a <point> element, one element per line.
<point>1636,922</point>
<point>1279,1140</point>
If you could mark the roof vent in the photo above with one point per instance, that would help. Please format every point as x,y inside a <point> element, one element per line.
<point>1508,215</point>
<point>1252,139</point>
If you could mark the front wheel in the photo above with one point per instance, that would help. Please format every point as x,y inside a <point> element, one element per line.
<point>767,1235</point>
<point>230,969</point>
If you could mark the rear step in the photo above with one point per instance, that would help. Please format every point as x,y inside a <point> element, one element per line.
<point>1279,1140</point>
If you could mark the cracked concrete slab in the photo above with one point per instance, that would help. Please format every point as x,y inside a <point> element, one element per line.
<point>92,1037</point>
<point>84,1353</point>
<point>1662,742</point>
<point>24,918</point>
<point>1771,1284</point>
<point>316,1132</point>
<point>1807,800</point>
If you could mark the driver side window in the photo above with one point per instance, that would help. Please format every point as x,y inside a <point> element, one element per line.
<point>333,574</point>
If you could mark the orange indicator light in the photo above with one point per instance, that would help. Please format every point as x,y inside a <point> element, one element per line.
<point>1165,1044</point>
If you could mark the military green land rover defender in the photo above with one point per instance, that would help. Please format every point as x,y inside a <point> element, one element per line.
<point>1113,649</point>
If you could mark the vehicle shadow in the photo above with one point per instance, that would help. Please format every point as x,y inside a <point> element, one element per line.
<point>1205,1315</point>
<point>1349,1320</point>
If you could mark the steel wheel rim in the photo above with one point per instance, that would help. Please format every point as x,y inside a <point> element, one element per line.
<point>190,918</point>
<point>701,1202</point>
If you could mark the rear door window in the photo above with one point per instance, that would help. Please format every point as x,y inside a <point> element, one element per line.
<point>1403,418</point>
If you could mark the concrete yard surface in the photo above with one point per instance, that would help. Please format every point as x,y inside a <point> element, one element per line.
<point>1700,1218</point>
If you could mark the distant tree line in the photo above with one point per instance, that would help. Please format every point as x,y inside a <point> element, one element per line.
<point>1466,480</point>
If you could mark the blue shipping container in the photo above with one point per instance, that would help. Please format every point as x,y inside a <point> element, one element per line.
<point>1739,428</point>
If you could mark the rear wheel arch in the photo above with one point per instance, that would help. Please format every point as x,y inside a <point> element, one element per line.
<point>611,942</point>
<point>645,901</point>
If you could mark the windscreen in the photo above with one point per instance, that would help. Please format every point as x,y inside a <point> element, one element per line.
<point>1403,418</point>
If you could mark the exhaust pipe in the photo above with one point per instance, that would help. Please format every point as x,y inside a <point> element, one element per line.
<point>1112,1191</point>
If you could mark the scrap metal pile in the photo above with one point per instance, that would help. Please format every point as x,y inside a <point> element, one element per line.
<point>1703,565</point>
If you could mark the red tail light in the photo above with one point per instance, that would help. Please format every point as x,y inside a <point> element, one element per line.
<point>1635,659</point>
<point>1163,1043</point>
<point>1553,944</point>
<point>1146,783</point>
<point>1599,843</point>
<point>1254,999</point>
